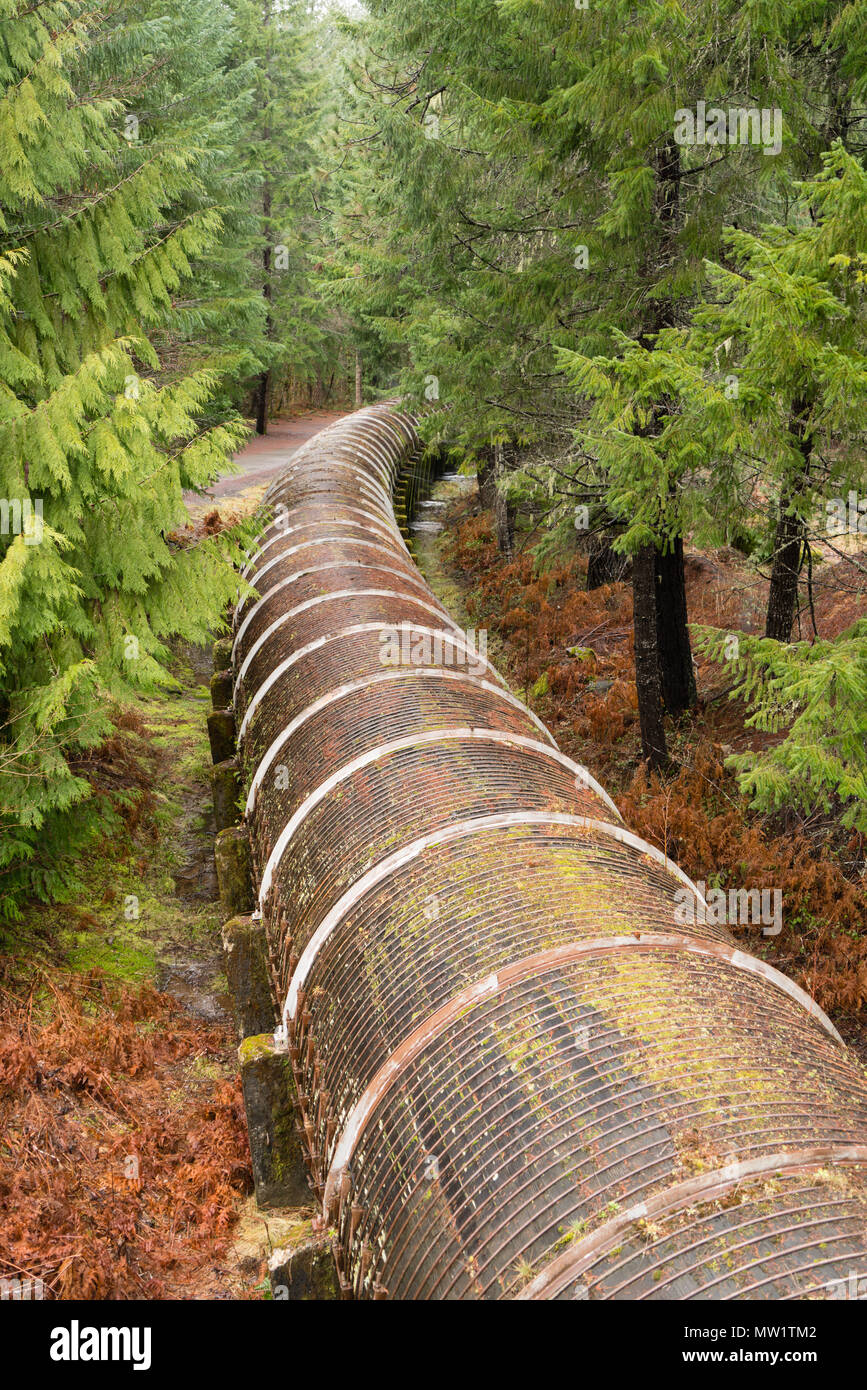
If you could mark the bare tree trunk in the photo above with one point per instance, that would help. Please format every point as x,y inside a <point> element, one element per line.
<point>647,678</point>
<point>674,653</point>
<point>264,383</point>
<point>267,289</point>
<point>604,565</point>
<point>485,479</point>
<point>262,403</point>
<point>504,514</point>
<point>358,400</point>
<point>489,467</point>
<point>504,510</point>
<point>788,542</point>
<point>783,593</point>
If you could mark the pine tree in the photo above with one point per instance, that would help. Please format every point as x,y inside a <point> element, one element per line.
<point>527,193</point>
<point>795,314</point>
<point>656,418</point>
<point>793,318</point>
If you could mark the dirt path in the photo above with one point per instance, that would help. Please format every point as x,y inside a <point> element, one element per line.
<point>261,457</point>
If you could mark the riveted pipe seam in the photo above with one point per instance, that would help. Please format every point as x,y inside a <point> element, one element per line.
<point>318,569</point>
<point>416,741</point>
<point>355,629</point>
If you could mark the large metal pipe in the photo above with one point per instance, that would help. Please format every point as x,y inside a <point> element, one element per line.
<point>520,1075</point>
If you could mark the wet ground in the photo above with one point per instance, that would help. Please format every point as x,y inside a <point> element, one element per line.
<point>430,516</point>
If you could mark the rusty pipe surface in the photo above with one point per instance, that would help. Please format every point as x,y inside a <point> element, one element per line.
<point>520,1075</point>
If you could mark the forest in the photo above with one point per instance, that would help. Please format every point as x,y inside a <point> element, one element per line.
<point>611,256</point>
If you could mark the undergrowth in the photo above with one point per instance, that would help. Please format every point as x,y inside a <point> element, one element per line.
<point>123,1148</point>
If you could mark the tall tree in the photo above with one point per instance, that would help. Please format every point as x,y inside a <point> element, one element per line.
<point>279,150</point>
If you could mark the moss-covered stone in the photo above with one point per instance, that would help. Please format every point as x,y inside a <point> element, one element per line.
<point>226,787</point>
<point>223,654</point>
<point>234,875</point>
<point>221,689</point>
<point>276,1149</point>
<point>305,1272</point>
<point>221,734</point>
<point>247,973</point>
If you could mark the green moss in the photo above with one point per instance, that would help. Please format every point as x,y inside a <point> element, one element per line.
<point>255,1049</point>
<point>91,928</point>
<point>121,957</point>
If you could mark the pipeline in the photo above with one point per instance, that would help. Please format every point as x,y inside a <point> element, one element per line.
<point>519,1075</point>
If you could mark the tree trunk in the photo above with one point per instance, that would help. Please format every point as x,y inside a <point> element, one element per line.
<point>490,467</point>
<point>674,653</point>
<point>262,403</point>
<point>783,593</point>
<point>604,565</point>
<point>485,480</point>
<point>357,379</point>
<point>647,679</point>
<point>262,389</point>
<point>789,542</point>
<point>267,288</point>
<point>504,510</point>
<point>504,514</point>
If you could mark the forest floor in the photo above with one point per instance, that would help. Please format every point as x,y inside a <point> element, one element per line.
<point>124,1164</point>
<point>569,654</point>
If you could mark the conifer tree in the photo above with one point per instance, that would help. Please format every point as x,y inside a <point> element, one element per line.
<point>795,313</point>
<point>280,138</point>
<point>525,172</point>
<point>99,434</point>
<point>792,316</point>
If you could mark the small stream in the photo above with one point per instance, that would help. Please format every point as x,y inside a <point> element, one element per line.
<point>430,516</point>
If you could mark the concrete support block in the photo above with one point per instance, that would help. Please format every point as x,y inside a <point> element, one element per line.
<point>223,654</point>
<point>246,949</point>
<point>276,1146</point>
<point>221,689</point>
<point>305,1273</point>
<point>221,734</point>
<point>234,871</point>
<point>226,788</point>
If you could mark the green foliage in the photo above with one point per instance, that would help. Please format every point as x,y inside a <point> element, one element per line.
<point>107,387</point>
<point>817,693</point>
<point>515,186</point>
<point>769,371</point>
<point>277,151</point>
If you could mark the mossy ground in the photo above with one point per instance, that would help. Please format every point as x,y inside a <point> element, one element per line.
<point>145,894</point>
<point>427,552</point>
